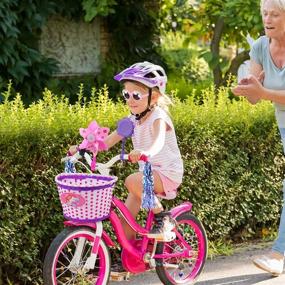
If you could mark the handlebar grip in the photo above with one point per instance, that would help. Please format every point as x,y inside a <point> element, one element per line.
<point>73,157</point>
<point>143,157</point>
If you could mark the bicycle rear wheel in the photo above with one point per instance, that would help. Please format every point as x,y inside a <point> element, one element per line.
<point>65,261</point>
<point>186,269</point>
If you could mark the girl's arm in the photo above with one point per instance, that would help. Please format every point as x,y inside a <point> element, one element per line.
<point>112,139</point>
<point>159,132</point>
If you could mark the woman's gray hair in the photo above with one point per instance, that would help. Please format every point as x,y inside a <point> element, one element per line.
<point>280,4</point>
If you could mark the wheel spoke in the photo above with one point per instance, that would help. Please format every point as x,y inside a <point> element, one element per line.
<point>62,272</point>
<point>67,256</point>
<point>87,252</point>
<point>190,239</point>
<point>61,264</point>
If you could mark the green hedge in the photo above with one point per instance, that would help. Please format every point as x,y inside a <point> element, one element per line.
<point>231,150</point>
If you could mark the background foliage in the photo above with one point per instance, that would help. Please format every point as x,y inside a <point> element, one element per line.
<point>137,33</point>
<point>134,32</point>
<point>231,151</point>
<point>20,59</point>
<point>218,23</point>
<point>21,23</point>
<point>188,74</point>
<point>93,8</point>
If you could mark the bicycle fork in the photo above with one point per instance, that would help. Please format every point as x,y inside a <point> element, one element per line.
<point>91,260</point>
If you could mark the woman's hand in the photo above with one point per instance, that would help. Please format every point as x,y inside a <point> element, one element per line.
<point>250,87</point>
<point>134,155</point>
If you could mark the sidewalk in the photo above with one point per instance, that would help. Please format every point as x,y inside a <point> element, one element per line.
<point>224,270</point>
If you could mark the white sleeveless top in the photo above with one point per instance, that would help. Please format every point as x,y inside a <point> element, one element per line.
<point>168,161</point>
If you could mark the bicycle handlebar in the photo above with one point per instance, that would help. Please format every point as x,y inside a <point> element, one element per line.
<point>103,168</point>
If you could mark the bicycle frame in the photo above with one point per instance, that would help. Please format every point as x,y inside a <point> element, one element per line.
<point>138,254</point>
<point>127,244</point>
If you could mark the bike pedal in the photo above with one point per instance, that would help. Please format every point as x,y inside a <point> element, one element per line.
<point>119,276</point>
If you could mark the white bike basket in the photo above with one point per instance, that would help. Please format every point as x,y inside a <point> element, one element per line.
<point>85,197</point>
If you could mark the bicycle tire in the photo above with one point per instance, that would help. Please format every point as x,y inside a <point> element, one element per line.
<point>60,243</point>
<point>199,247</point>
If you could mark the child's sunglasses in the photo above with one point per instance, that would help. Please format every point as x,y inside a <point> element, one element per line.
<point>135,94</point>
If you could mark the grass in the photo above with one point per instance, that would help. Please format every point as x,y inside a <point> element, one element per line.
<point>219,247</point>
<point>227,248</point>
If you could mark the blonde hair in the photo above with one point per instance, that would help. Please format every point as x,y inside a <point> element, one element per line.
<point>164,101</point>
<point>280,4</point>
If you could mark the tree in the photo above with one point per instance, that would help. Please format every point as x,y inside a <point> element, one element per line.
<point>221,23</point>
<point>22,21</point>
<point>93,8</point>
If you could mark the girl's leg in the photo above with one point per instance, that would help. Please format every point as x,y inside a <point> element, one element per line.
<point>134,184</point>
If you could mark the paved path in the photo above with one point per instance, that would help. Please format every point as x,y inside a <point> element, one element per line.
<point>236,269</point>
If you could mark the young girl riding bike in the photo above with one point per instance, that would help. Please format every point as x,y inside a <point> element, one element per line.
<point>176,249</point>
<point>154,136</point>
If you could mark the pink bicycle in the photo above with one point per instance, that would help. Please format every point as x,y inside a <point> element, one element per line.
<point>80,253</point>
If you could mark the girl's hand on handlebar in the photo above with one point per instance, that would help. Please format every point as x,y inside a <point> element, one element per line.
<point>72,150</point>
<point>135,155</point>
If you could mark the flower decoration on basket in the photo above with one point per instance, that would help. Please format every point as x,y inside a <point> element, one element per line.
<point>93,140</point>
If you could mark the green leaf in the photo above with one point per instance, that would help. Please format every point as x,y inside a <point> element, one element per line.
<point>95,8</point>
<point>19,70</point>
<point>207,55</point>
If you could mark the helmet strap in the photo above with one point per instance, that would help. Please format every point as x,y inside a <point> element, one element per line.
<point>148,109</point>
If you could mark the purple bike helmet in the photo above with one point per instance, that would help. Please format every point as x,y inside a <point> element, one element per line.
<point>147,73</point>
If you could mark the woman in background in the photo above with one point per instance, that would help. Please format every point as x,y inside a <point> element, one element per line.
<point>267,82</point>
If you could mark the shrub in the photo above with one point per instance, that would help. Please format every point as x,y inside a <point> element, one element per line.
<point>231,151</point>
<point>196,70</point>
<point>175,59</point>
<point>184,89</point>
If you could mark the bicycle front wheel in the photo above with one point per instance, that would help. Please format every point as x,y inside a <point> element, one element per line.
<point>186,269</point>
<point>66,259</point>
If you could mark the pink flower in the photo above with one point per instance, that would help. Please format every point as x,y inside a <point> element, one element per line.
<point>93,137</point>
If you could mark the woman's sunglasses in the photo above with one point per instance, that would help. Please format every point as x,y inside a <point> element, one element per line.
<point>135,94</point>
